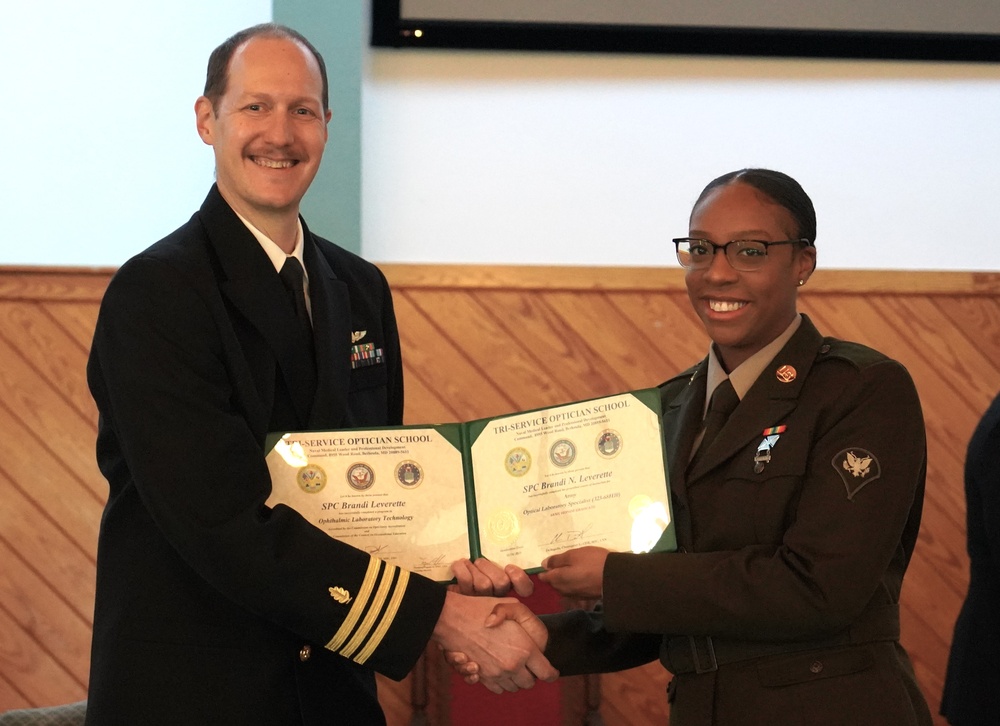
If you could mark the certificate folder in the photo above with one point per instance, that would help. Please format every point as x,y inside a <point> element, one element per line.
<point>514,488</point>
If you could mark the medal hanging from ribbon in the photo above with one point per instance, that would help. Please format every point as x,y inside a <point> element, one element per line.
<point>763,455</point>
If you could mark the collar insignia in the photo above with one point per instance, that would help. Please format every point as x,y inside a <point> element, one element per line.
<point>786,374</point>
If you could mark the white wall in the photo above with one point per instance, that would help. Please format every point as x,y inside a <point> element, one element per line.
<point>543,158</point>
<point>475,157</point>
<point>101,156</point>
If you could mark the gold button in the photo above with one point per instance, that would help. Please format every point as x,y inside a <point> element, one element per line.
<point>816,667</point>
<point>305,653</point>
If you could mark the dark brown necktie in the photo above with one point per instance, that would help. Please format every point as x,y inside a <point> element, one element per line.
<point>724,402</point>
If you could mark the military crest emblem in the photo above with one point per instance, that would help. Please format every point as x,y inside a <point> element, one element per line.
<point>311,478</point>
<point>360,476</point>
<point>409,474</point>
<point>609,443</point>
<point>517,462</point>
<point>562,452</point>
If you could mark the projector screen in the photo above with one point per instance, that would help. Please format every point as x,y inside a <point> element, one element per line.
<point>915,29</point>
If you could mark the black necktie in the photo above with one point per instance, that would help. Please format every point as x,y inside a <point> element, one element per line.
<point>292,276</point>
<point>724,402</point>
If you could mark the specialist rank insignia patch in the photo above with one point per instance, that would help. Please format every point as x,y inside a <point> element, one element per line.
<point>857,468</point>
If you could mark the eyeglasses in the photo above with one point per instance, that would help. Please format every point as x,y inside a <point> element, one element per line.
<point>744,255</point>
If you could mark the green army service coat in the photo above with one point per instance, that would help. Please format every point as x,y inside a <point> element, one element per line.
<point>794,532</point>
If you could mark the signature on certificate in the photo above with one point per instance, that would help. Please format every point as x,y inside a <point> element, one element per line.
<point>432,561</point>
<point>378,549</point>
<point>571,535</point>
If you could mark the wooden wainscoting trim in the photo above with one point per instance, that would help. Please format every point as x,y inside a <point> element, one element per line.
<point>542,277</point>
<point>87,284</point>
<point>80,284</point>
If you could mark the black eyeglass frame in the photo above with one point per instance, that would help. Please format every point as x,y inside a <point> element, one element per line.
<point>725,248</point>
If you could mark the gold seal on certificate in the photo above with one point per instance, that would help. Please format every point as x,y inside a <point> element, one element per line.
<point>517,461</point>
<point>638,504</point>
<point>503,527</point>
<point>562,453</point>
<point>409,474</point>
<point>360,476</point>
<point>311,478</point>
<point>609,443</point>
<point>514,488</point>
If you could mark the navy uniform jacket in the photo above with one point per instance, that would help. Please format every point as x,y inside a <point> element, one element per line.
<point>782,605</point>
<point>972,687</point>
<point>211,607</point>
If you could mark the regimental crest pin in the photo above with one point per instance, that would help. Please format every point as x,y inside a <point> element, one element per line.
<point>857,468</point>
<point>786,374</point>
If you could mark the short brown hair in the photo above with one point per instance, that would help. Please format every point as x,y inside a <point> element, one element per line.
<point>217,78</point>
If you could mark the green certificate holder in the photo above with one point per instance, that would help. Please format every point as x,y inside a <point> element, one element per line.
<point>515,488</point>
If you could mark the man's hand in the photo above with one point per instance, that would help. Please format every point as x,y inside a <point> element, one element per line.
<point>483,577</point>
<point>504,611</point>
<point>506,655</point>
<point>576,573</point>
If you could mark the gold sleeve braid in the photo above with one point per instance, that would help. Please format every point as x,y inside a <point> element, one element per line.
<point>386,620</point>
<point>382,582</point>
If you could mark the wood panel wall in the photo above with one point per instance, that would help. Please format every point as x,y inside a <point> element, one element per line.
<point>477,341</point>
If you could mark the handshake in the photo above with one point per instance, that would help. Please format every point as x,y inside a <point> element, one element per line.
<point>496,640</point>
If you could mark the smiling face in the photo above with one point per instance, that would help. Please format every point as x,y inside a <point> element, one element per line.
<point>268,129</point>
<point>744,311</point>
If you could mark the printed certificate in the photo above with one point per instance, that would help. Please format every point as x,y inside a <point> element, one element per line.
<point>514,488</point>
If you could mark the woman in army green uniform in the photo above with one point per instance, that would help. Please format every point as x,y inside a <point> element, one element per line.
<point>795,524</point>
